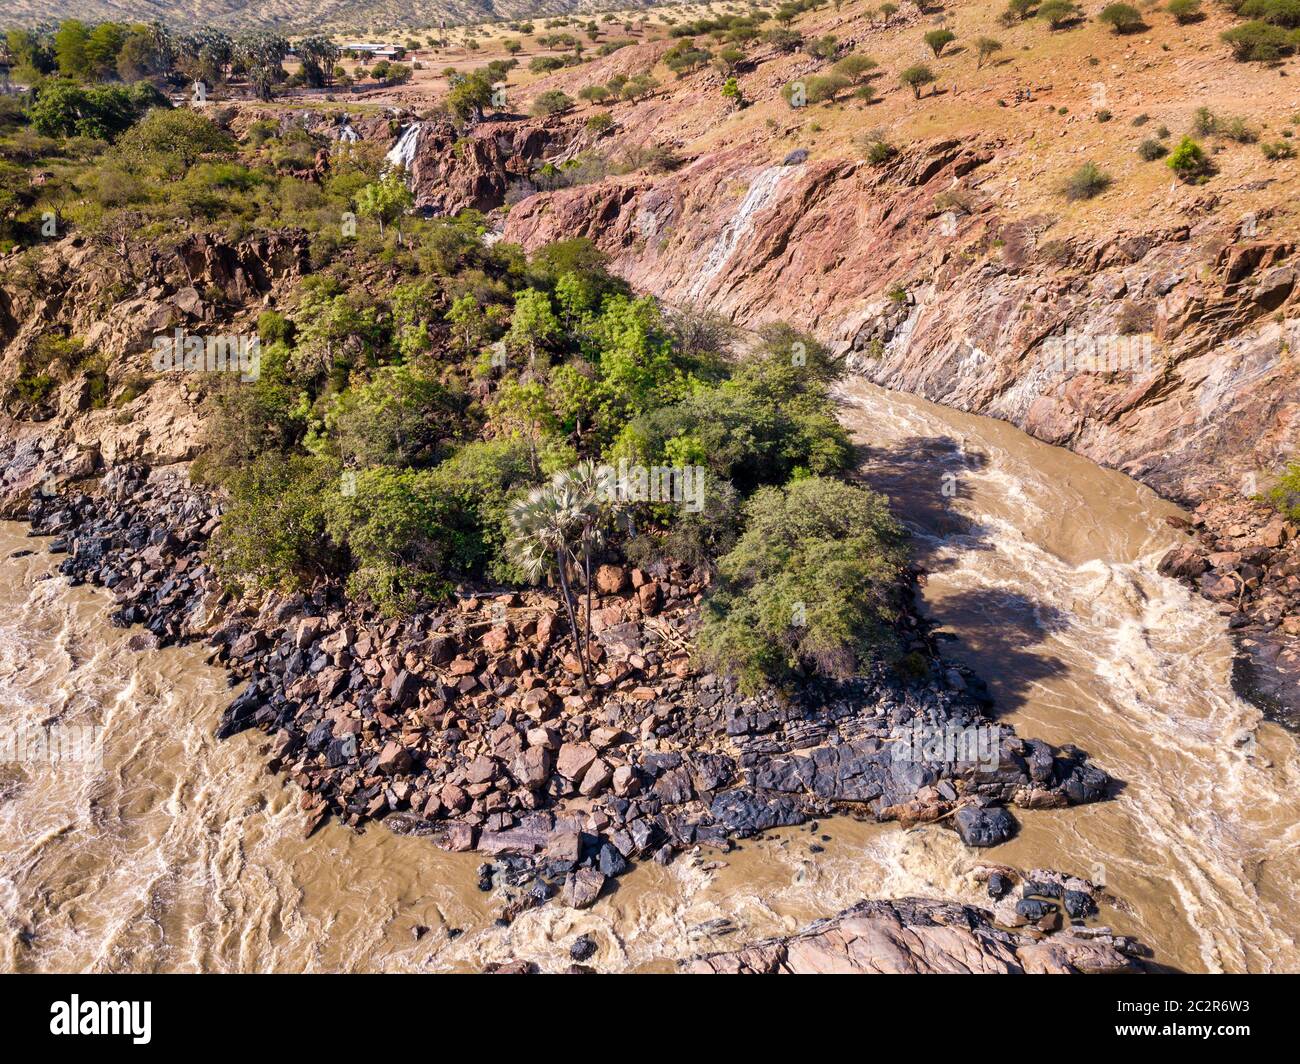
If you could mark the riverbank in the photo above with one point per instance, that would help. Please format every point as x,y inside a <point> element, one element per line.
<point>471,726</point>
<point>1244,557</point>
<point>1078,636</point>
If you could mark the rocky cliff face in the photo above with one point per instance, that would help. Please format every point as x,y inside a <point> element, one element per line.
<point>1164,352</point>
<point>451,171</point>
<point>102,414</point>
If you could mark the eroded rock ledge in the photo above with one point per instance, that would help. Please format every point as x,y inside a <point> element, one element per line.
<point>1245,557</point>
<point>470,725</point>
<point>923,936</point>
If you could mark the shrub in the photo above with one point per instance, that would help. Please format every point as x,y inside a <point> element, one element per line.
<point>1087,181</point>
<point>1236,129</point>
<point>811,586</point>
<point>65,109</point>
<point>396,418</point>
<point>854,67</point>
<point>552,102</point>
<point>392,526</point>
<point>173,140</point>
<point>600,122</point>
<point>1151,149</point>
<point>1284,496</point>
<point>879,151</point>
<point>1122,18</point>
<point>1057,13</point>
<point>1185,12</point>
<point>273,532</point>
<point>1274,12</point>
<point>1258,42</point>
<point>916,77</point>
<point>1188,161</point>
<point>985,47</point>
<point>1279,149</point>
<point>823,47</point>
<point>937,40</point>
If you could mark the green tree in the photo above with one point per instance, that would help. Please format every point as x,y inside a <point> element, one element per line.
<point>552,102</point>
<point>397,418</point>
<point>273,532</point>
<point>1057,13</point>
<point>1185,12</point>
<point>533,324</point>
<point>261,55</point>
<point>1188,161</point>
<point>1258,42</point>
<point>813,585</point>
<point>937,40</point>
<point>985,47</point>
<point>172,141</point>
<point>386,200</point>
<point>65,109</point>
<point>1122,18</point>
<point>393,523</point>
<point>470,96</point>
<point>854,67</point>
<point>916,77</point>
<point>70,41</point>
<point>102,48</point>
<point>318,55</point>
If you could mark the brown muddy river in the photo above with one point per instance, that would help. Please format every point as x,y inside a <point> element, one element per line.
<point>183,854</point>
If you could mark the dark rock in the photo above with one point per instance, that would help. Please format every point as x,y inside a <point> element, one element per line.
<point>984,827</point>
<point>582,948</point>
<point>1032,909</point>
<point>1078,905</point>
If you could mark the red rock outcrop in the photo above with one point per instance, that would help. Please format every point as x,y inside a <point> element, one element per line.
<point>931,288</point>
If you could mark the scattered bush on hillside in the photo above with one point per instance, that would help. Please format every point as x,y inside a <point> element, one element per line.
<point>937,40</point>
<point>916,77</point>
<point>1259,42</point>
<point>1087,181</point>
<point>552,102</point>
<point>1189,162</point>
<point>985,47</point>
<point>1151,149</point>
<point>1058,13</point>
<point>1122,18</point>
<point>1185,12</point>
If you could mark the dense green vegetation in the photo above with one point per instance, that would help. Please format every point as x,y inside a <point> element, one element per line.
<point>433,409</point>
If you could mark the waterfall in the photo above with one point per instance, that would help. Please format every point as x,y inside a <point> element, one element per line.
<point>403,152</point>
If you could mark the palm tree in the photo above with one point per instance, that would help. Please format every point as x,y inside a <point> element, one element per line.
<point>556,521</point>
<point>582,483</point>
<point>545,525</point>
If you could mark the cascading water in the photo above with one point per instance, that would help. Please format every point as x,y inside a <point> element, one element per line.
<point>403,152</point>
